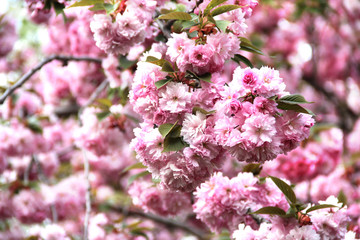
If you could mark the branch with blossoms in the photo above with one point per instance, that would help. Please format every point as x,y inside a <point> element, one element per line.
<point>175,125</point>
<point>31,72</point>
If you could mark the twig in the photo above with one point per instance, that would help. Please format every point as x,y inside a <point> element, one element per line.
<point>30,73</point>
<point>163,29</point>
<point>167,222</point>
<point>27,172</point>
<point>88,195</point>
<point>92,98</point>
<point>42,177</point>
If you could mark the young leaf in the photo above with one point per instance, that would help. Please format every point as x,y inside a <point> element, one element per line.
<point>293,99</point>
<point>246,45</point>
<point>342,198</point>
<point>97,7</point>
<point>83,3</point>
<point>270,210</point>
<point>167,67</point>
<point>136,176</point>
<point>254,168</point>
<point>285,189</point>
<point>212,5</point>
<point>156,61</point>
<point>206,77</point>
<point>162,83</point>
<point>240,58</point>
<point>104,101</point>
<point>174,144</point>
<point>102,115</point>
<point>58,7</point>
<point>110,8</point>
<point>34,125</point>
<point>203,111</point>
<point>176,16</point>
<point>166,128</point>
<point>294,107</point>
<point>317,207</point>
<point>137,165</point>
<point>224,9</point>
<point>222,24</point>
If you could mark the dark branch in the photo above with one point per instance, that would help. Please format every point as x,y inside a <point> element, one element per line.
<point>171,224</point>
<point>30,73</point>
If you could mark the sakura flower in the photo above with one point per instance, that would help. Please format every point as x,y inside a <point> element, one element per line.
<point>175,98</point>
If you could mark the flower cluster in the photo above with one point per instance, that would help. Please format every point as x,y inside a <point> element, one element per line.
<point>225,203</point>
<point>159,201</point>
<point>329,223</point>
<point>306,163</point>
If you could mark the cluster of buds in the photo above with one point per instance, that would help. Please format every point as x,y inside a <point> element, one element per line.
<point>303,219</point>
<point>121,9</point>
<point>205,27</point>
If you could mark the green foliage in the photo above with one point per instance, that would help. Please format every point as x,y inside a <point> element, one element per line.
<point>162,83</point>
<point>291,102</point>
<point>322,206</point>
<point>137,165</point>
<point>137,176</point>
<point>176,16</point>
<point>271,211</point>
<point>285,189</point>
<point>246,45</point>
<point>224,9</point>
<point>102,115</point>
<point>240,58</point>
<point>83,3</point>
<point>34,125</point>
<point>203,111</point>
<point>254,168</point>
<point>212,5</point>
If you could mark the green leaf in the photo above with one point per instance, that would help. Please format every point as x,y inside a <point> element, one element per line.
<point>224,9</point>
<point>293,99</point>
<point>294,107</point>
<point>137,165</point>
<point>254,168</point>
<point>34,125</point>
<point>203,111</point>
<point>166,128</point>
<point>102,115</point>
<point>155,61</point>
<point>58,7</point>
<point>104,101</point>
<point>125,63</point>
<point>322,206</point>
<point>110,8</point>
<point>167,67</point>
<point>342,198</point>
<point>97,7</point>
<point>187,24</point>
<point>83,3</point>
<point>246,45</point>
<point>212,5</point>
<point>270,210</point>
<point>240,58</point>
<point>176,16</point>
<point>174,144</point>
<point>162,83</point>
<point>136,176</point>
<point>222,24</point>
<point>285,189</point>
<point>206,77</point>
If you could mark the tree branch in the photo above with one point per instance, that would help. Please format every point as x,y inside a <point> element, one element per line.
<point>87,196</point>
<point>31,72</point>
<point>167,222</point>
